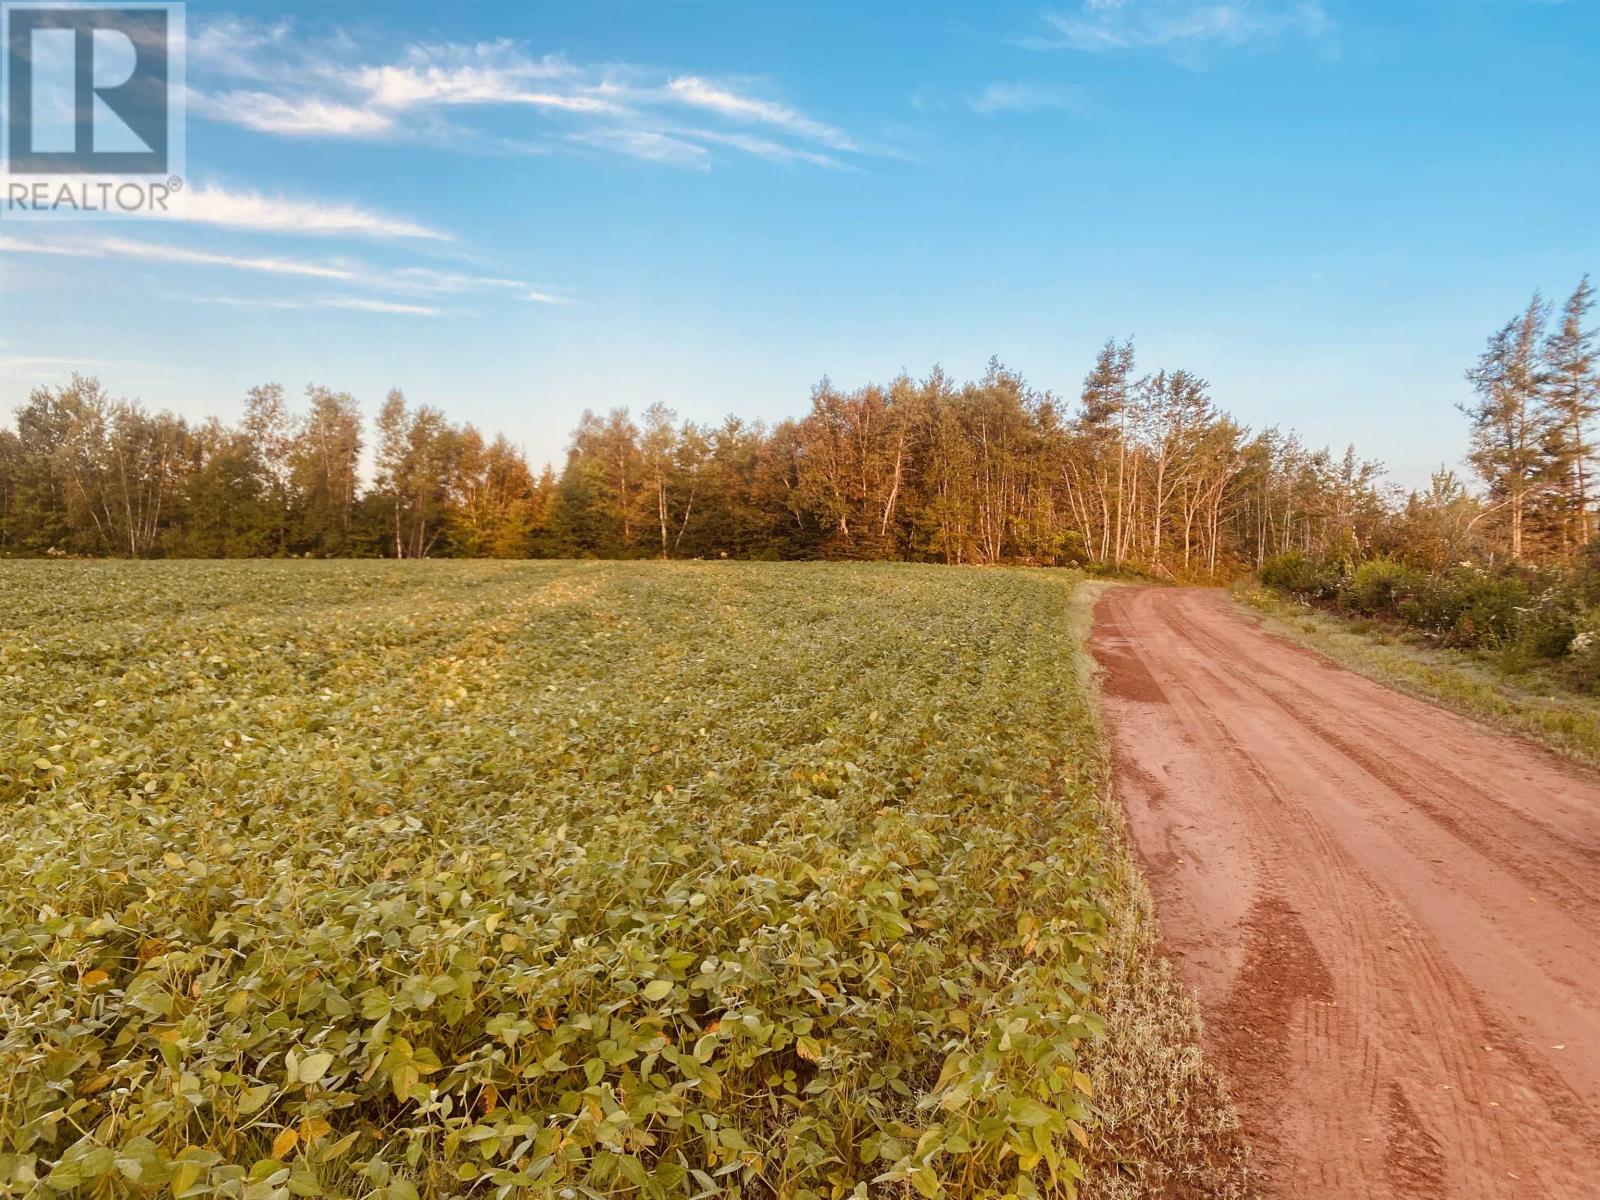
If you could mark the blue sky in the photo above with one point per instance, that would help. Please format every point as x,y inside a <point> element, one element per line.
<point>516,211</point>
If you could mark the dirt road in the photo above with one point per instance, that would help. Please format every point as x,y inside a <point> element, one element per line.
<point>1390,914</point>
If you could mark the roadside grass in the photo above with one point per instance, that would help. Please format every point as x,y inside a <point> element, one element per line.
<point>1519,700</point>
<point>575,879</point>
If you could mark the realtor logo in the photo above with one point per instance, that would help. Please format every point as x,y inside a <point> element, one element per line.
<point>93,103</point>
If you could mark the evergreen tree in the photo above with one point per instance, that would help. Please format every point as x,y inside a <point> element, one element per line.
<point>1510,449</point>
<point>1572,397</point>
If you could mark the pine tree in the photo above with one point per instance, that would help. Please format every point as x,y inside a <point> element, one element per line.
<point>1509,448</point>
<point>1572,398</point>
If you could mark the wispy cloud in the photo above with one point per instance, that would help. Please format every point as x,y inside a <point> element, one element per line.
<point>697,92</point>
<point>289,116</point>
<point>404,281</point>
<point>1184,28</point>
<point>163,252</point>
<point>402,87</point>
<point>48,368</point>
<point>216,205</point>
<point>650,145</point>
<point>243,48</point>
<point>366,304</point>
<point>778,152</point>
<point>1020,97</point>
<point>333,87</point>
<point>357,303</point>
<point>430,279</point>
<point>691,147</point>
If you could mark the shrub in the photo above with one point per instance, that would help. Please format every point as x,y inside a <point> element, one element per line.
<point>1300,575</point>
<point>1466,606</point>
<point>1378,588</point>
<point>1547,626</point>
<point>1583,657</point>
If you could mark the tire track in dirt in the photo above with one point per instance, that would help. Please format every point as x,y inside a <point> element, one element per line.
<point>1444,790</point>
<point>1390,914</point>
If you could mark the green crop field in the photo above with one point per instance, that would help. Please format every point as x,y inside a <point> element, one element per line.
<point>427,879</point>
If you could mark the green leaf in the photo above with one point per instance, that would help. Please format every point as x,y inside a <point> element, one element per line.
<point>253,1098</point>
<point>1030,1113</point>
<point>314,1066</point>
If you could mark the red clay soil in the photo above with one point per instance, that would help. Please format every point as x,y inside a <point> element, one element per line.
<point>1390,914</point>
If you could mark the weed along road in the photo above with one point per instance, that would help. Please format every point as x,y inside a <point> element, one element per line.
<point>1391,915</point>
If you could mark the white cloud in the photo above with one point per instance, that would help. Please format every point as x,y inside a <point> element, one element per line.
<point>429,279</point>
<point>692,90</point>
<point>306,117</point>
<point>359,303</point>
<point>651,145</point>
<point>503,56</point>
<point>49,368</point>
<point>1004,97</point>
<point>423,281</point>
<point>338,88</point>
<point>214,205</point>
<point>115,247</point>
<point>364,304</point>
<point>240,48</point>
<point>1185,27</point>
<point>408,87</point>
<point>768,149</point>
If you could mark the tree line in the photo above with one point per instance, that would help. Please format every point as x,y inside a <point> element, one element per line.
<point>1141,470</point>
<point>1144,471</point>
<point>83,473</point>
